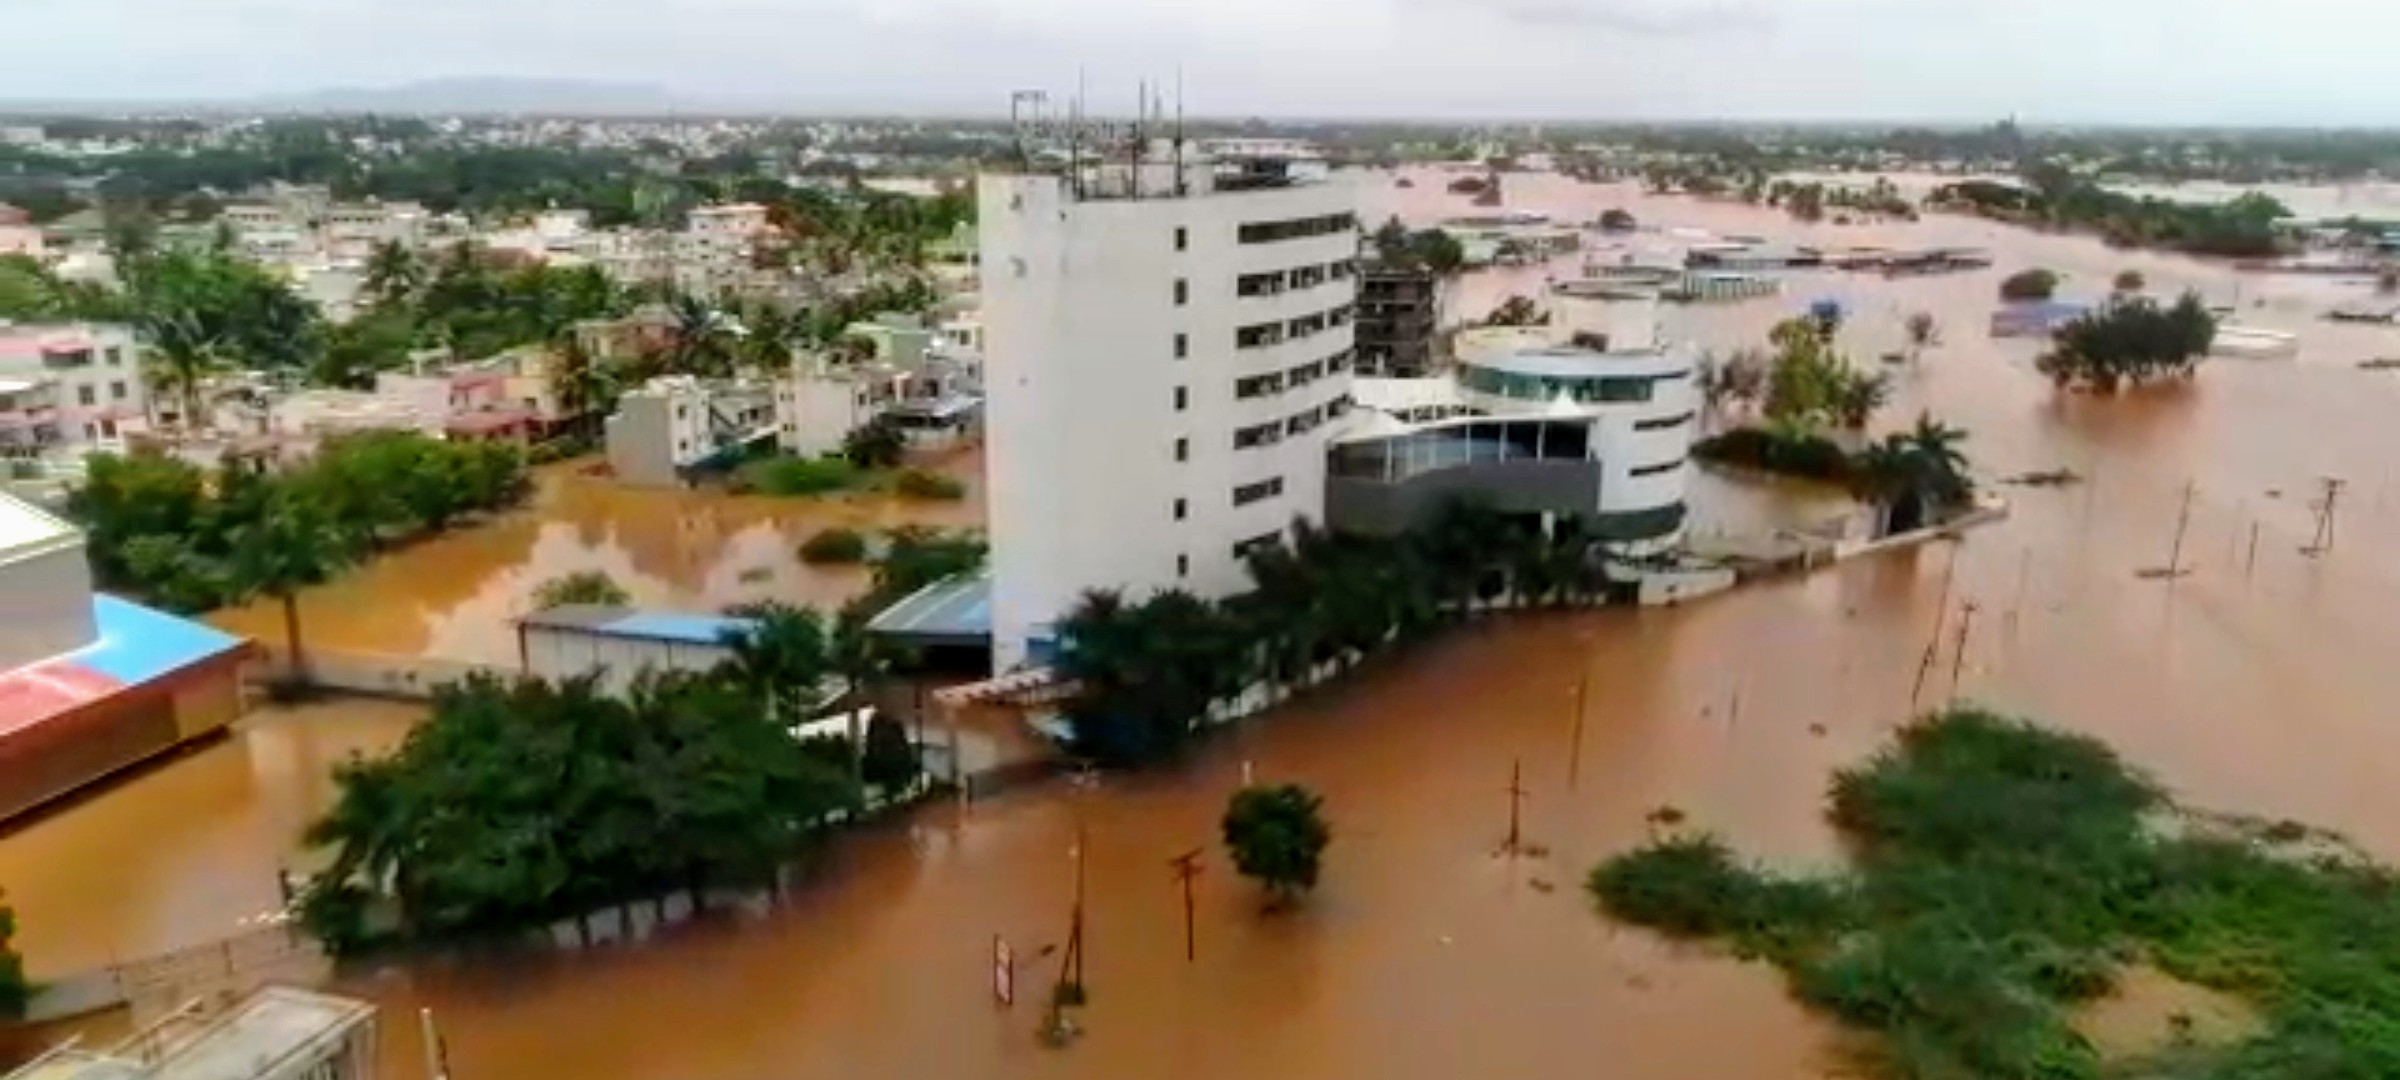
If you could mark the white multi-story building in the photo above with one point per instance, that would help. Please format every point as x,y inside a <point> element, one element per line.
<point>1164,343</point>
<point>1600,431</point>
<point>64,386</point>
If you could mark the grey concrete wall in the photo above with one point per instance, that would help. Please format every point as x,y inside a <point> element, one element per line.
<point>45,606</point>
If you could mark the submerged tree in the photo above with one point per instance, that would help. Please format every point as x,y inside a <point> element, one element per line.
<point>2130,340</point>
<point>1277,836</point>
<point>296,543</point>
<point>581,587</point>
<point>2034,284</point>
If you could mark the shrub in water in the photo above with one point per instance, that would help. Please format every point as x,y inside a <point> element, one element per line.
<point>835,545</point>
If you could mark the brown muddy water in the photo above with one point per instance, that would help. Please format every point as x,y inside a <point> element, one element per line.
<point>454,596</point>
<point>2258,683</point>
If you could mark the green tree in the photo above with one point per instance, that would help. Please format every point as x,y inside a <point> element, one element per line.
<point>15,991</point>
<point>1617,220</point>
<point>581,587</point>
<point>879,443</point>
<point>393,276</point>
<point>296,544</point>
<point>2129,281</point>
<point>890,759</point>
<point>1914,476</point>
<point>1277,836</point>
<point>182,358</point>
<point>1147,673</point>
<point>2034,284</point>
<point>1922,333</point>
<point>783,656</point>
<point>2130,340</point>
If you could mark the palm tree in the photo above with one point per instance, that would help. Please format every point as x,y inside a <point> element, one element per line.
<point>698,340</point>
<point>583,390</point>
<point>1856,396</point>
<point>1939,459</point>
<point>782,656</point>
<point>182,358</point>
<point>1922,332</point>
<point>393,275</point>
<point>297,543</point>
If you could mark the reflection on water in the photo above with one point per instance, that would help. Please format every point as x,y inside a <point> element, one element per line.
<point>2257,682</point>
<point>454,596</point>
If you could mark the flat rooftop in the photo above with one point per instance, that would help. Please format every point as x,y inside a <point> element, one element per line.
<point>605,620</point>
<point>136,645</point>
<point>264,1032</point>
<point>26,530</point>
<point>953,611</point>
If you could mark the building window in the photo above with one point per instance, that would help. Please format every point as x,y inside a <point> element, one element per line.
<point>116,390</point>
<point>1182,509</point>
<point>1267,434</point>
<point>1661,467</point>
<point>86,395</point>
<point>1266,284</point>
<point>1183,399</point>
<point>1183,563</point>
<point>1257,386</point>
<point>1183,238</point>
<point>1183,345</point>
<point>1243,549</point>
<point>116,356</point>
<point>1183,449</point>
<point>1258,335</point>
<point>1264,489</point>
<point>1663,423</point>
<point>1183,292</point>
<point>1268,232</point>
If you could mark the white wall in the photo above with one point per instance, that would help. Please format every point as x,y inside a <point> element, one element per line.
<point>45,604</point>
<point>558,653</point>
<point>1079,322</point>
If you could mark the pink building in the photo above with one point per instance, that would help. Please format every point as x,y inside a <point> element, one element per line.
<point>18,234</point>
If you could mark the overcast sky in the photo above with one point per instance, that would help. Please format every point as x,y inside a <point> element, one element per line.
<point>2200,61</point>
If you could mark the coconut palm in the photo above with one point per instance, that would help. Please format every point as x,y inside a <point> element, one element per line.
<point>297,543</point>
<point>393,275</point>
<point>1856,396</point>
<point>183,356</point>
<point>782,656</point>
<point>698,344</point>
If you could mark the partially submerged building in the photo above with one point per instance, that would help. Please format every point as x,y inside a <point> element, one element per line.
<point>91,684</point>
<point>279,1033</point>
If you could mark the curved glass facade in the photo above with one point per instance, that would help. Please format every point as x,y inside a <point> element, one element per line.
<point>1581,388</point>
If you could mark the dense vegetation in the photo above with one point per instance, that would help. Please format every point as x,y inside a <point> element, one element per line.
<point>1915,476</point>
<point>2032,284</point>
<point>1277,835</point>
<point>1398,246</point>
<point>581,587</point>
<point>2130,339</point>
<point>518,803</point>
<point>15,989</point>
<point>1149,672</point>
<point>833,545</point>
<point>2054,197</point>
<point>173,533</point>
<point>2002,875</point>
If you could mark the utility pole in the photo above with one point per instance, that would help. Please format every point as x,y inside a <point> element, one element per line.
<point>2183,521</point>
<point>437,1056</point>
<point>2330,488</point>
<point>1516,797</point>
<point>1583,686</point>
<point>1187,867</point>
<point>1958,658</point>
<point>2250,560</point>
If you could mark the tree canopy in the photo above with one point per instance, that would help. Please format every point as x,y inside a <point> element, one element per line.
<point>1277,837</point>
<point>2033,284</point>
<point>518,802</point>
<point>2131,339</point>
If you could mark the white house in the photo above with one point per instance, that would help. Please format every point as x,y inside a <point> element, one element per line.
<point>1599,432</point>
<point>68,386</point>
<point>1164,343</point>
<point>674,423</point>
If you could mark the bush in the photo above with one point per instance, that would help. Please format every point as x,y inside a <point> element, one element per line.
<point>2130,340</point>
<point>1277,835</point>
<point>922,484</point>
<point>1809,457</point>
<point>798,476</point>
<point>890,760</point>
<point>877,444</point>
<point>834,545</point>
<point>2034,284</point>
<point>585,587</point>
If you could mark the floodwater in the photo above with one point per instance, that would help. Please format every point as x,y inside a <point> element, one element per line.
<point>454,596</point>
<point>2257,681</point>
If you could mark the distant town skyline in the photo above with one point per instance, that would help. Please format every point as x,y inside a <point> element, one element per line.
<point>2300,62</point>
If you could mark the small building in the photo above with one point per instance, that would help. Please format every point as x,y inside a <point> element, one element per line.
<point>617,644</point>
<point>279,1033</point>
<point>1398,318</point>
<point>19,235</point>
<point>91,684</point>
<point>2035,318</point>
<point>673,425</point>
<point>71,387</point>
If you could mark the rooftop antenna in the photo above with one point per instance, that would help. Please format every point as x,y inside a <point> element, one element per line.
<point>1179,182</point>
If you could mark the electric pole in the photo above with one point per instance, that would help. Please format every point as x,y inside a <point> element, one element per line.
<point>2330,488</point>
<point>1583,686</point>
<point>1958,659</point>
<point>1187,867</point>
<point>1516,798</point>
